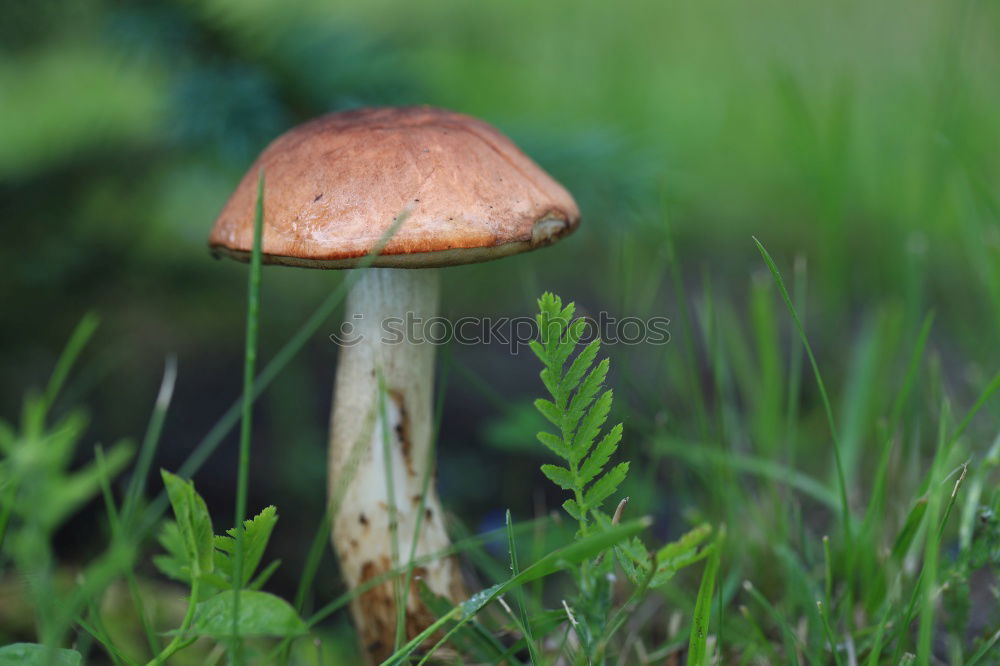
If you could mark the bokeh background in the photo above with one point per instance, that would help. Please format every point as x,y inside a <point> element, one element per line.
<point>860,139</point>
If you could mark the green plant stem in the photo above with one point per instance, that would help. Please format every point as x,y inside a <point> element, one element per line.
<point>249,365</point>
<point>180,641</point>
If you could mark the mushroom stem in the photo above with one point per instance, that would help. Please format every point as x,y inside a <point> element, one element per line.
<point>379,446</point>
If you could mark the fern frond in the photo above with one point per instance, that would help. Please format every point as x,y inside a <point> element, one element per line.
<point>578,408</point>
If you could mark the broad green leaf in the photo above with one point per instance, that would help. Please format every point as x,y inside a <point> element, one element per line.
<point>32,654</point>
<point>261,614</point>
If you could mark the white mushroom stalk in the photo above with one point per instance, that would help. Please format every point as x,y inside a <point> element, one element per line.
<point>380,455</point>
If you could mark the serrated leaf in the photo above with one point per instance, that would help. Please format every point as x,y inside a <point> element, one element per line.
<point>560,476</point>
<point>604,486</point>
<point>580,365</point>
<point>586,394</point>
<point>591,424</point>
<point>555,444</point>
<point>573,509</point>
<point>684,552</point>
<point>549,411</point>
<point>687,543</point>
<point>599,457</point>
<point>261,614</point>
<point>193,523</point>
<point>257,533</point>
<point>634,559</point>
<point>551,381</point>
<point>32,654</point>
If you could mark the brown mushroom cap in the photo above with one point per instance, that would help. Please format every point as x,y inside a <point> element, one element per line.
<point>334,185</point>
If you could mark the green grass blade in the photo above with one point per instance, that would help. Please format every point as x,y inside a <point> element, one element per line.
<point>831,423</point>
<point>703,454</point>
<point>249,367</point>
<point>77,341</point>
<point>557,560</point>
<point>698,643</point>
<point>525,623</point>
<point>143,463</point>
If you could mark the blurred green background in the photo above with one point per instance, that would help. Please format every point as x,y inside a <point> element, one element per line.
<point>862,138</point>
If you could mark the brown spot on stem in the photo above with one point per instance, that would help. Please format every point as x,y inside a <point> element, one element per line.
<point>362,519</point>
<point>403,429</point>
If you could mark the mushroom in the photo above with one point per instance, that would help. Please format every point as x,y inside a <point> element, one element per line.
<point>334,187</point>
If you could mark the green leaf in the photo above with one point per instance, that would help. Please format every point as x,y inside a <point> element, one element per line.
<point>634,559</point>
<point>549,411</point>
<point>261,614</point>
<point>593,465</point>
<point>573,509</point>
<point>580,365</point>
<point>555,561</point>
<point>560,476</point>
<point>688,542</point>
<point>684,552</point>
<point>604,486</point>
<point>193,523</point>
<point>909,530</point>
<point>175,564</point>
<point>591,425</point>
<point>32,654</point>
<point>698,643</point>
<point>555,444</point>
<point>551,381</point>
<point>257,532</point>
<point>586,394</point>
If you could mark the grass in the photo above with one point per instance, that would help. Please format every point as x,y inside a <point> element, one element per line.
<point>858,495</point>
<point>873,594</point>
